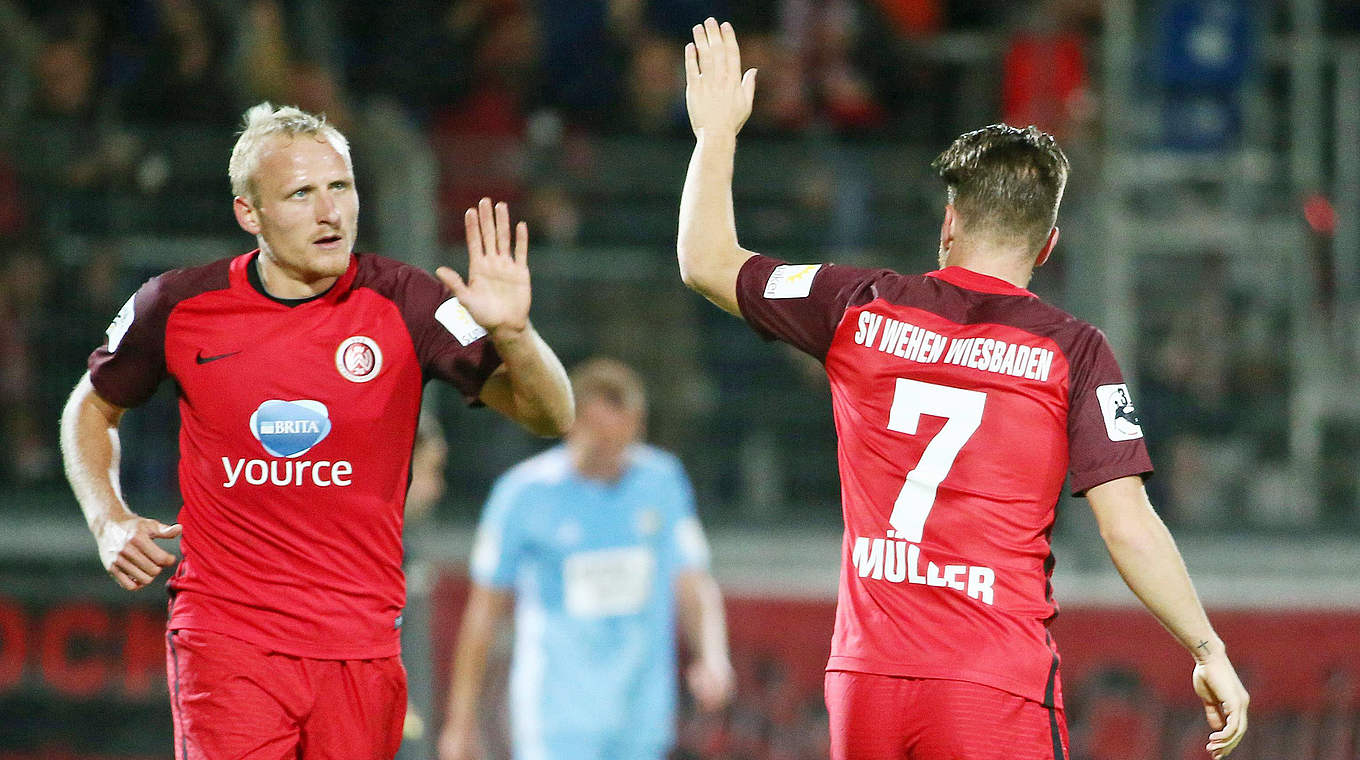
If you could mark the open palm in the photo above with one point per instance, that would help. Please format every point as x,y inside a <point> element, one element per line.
<point>497,292</point>
<point>717,94</point>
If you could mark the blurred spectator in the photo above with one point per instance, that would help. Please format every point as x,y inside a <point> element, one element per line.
<point>13,216</point>
<point>913,18</point>
<point>833,36</point>
<point>274,68</point>
<point>583,53</point>
<point>784,103</point>
<point>66,142</point>
<point>656,88</point>
<point>183,79</point>
<point>25,277</point>
<point>478,138</point>
<point>1044,79</point>
<point>553,215</point>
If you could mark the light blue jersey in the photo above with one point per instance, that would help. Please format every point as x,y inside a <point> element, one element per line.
<point>593,568</point>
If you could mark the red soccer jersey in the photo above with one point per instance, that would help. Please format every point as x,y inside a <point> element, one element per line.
<point>296,428</point>
<point>961,403</point>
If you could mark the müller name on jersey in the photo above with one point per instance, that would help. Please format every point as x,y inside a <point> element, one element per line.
<point>900,561</point>
<point>893,336</point>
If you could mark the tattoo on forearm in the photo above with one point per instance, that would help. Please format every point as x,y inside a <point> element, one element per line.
<point>1203,645</point>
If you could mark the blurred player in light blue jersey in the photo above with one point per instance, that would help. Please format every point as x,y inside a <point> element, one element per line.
<point>597,546</point>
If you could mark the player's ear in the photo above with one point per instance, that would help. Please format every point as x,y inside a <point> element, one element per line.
<point>246,215</point>
<point>947,227</point>
<point>1047,250</point>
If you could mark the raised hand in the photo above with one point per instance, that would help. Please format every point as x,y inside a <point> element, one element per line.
<point>496,294</point>
<point>128,550</point>
<point>717,94</point>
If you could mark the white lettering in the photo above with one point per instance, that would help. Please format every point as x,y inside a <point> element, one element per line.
<point>991,355</point>
<point>952,575</point>
<point>933,576</point>
<point>980,583</point>
<point>936,349</point>
<point>232,472</point>
<point>289,427</point>
<point>958,350</point>
<point>891,332</point>
<point>869,557</point>
<point>900,561</point>
<point>1045,364</point>
<point>869,323</point>
<point>914,345</point>
<point>287,472</point>
<point>914,565</point>
<point>340,470</point>
<point>998,356</point>
<point>895,562</point>
<point>1008,364</point>
<point>975,356</point>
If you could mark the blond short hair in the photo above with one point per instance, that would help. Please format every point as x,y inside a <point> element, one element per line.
<point>264,121</point>
<point>610,380</point>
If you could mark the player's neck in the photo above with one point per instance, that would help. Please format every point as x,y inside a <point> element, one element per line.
<point>278,282</point>
<point>593,463</point>
<point>1012,265</point>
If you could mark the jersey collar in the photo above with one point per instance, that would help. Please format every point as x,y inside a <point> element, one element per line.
<point>240,277</point>
<point>985,283</point>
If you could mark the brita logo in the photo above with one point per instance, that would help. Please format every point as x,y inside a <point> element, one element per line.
<point>290,428</point>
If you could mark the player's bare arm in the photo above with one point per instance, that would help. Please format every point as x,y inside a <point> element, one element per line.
<point>486,609</point>
<point>718,96</point>
<point>90,452</point>
<point>1146,557</point>
<point>531,386</point>
<point>700,608</point>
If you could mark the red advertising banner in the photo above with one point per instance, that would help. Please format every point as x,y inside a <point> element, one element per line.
<point>1126,681</point>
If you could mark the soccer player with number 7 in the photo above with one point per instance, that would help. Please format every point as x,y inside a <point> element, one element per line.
<point>961,403</point>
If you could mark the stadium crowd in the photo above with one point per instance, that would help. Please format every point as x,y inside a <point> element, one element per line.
<point>513,96</point>
<point>102,103</point>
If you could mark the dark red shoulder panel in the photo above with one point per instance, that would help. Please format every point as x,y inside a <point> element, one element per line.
<point>419,296</point>
<point>130,364</point>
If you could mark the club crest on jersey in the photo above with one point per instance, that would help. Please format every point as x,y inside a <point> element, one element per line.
<point>1121,418</point>
<point>791,281</point>
<point>359,359</point>
<point>290,428</point>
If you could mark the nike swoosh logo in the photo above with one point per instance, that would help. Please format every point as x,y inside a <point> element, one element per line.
<point>201,359</point>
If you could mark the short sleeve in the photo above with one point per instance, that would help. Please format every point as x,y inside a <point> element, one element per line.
<point>498,548</point>
<point>450,345</point>
<point>689,545</point>
<point>127,368</point>
<point>1105,436</point>
<point>799,304</point>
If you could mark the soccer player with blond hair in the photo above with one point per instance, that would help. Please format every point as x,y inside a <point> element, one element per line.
<point>299,368</point>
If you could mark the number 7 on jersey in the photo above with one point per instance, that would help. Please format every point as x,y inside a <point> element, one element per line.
<point>962,410</point>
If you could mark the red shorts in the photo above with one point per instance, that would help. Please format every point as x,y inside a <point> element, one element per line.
<point>890,718</point>
<point>238,700</point>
